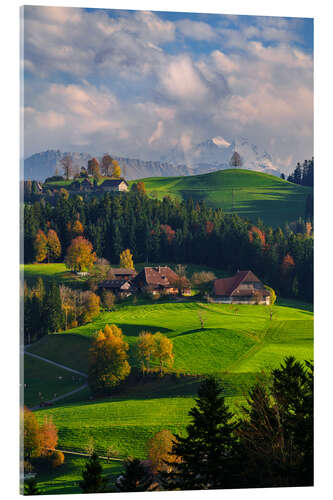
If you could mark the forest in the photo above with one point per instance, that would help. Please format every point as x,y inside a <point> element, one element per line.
<point>177,232</point>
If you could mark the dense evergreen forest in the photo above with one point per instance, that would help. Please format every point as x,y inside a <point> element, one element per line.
<point>171,231</point>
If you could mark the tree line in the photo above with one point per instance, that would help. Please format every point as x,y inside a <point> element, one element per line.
<point>174,231</point>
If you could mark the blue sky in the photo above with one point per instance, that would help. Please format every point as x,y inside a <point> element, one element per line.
<point>141,84</point>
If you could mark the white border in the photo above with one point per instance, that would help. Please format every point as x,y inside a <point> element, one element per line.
<point>9,33</point>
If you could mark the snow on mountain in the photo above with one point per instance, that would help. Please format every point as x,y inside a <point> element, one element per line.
<point>215,154</point>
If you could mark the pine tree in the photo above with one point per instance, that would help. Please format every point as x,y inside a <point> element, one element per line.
<point>206,453</point>
<point>31,487</point>
<point>93,481</point>
<point>136,477</point>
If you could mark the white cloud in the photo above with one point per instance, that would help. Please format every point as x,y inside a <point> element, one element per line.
<point>157,134</point>
<point>181,80</point>
<point>196,30</point>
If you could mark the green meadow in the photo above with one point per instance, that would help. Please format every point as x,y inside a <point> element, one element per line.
<point>44,381</point>
<point>235,344</point>
<point>249,194</point>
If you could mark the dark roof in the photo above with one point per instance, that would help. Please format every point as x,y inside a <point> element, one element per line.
<point>229,286</point>
<point>114,284</point>
<point>122,271</point>
<point>161,275</point>
<point>113,182</point>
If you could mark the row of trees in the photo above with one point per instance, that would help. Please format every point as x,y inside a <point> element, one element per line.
<point>108,357</point>
<point>50,308</point>
<point>269,444</point>
<point>303,174</point>
<point>173,231</point>
<point>107,167</point>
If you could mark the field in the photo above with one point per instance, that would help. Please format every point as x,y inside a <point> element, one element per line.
<point>235,344</point>
<point>45,381</point>
<point>249,194</point>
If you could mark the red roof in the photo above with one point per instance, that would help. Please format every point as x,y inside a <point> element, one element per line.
<point>161,275</point>
<point>229,286</point>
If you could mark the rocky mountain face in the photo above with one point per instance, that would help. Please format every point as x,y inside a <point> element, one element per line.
<point>208,156</point>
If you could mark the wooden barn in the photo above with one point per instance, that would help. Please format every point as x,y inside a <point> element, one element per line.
<point>242,288</point>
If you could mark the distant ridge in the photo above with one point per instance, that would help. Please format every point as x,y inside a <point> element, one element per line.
<point>208,156</point>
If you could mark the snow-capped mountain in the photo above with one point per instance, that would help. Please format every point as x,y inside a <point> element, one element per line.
<point>215,154</point>
<point>208,156</point>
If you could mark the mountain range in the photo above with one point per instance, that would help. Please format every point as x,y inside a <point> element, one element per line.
<point>208,156</point>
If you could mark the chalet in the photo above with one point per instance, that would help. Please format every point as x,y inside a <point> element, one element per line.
<point>84,186</point>
<point>121,287</point>
<point>114,185</point>
<point>242,288</point>
<point>122,273</point>
<point>156,279</point>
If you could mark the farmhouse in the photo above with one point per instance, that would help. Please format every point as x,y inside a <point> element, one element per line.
<point>122,273</point>
<point>156,279</point>
<point>114,185</point>
<point>121,287</point>
<point>243,288</point>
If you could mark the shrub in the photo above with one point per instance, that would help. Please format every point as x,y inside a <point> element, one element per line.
<point>57,458</point>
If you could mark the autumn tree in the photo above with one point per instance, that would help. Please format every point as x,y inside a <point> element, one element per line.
<point>126,259</point>
<point>145,350</point>
<point>159,450</point>
<point>116,170</point>
<point>203,281</point>
<point>77,228</point>
<point>91,307</point>
<point>49,435</point>
<point>53,245</point>
<point>139,187</point>
<point>108,299</point>
<point>106,165</point>
<point>272,295</point>
<point>93,168</point>
<point>67,165</point>
<point>108,364</point>
<point>180,282</point>
<point>32,439</point>
<point>41,246</point>
<point>168,231</point>
<point>163,350</point>
<point>80,255</point>
<point>288,262</point>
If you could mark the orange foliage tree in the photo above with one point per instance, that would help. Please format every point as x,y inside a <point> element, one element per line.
<point>159,450</point>
<point>261,235</point>
<point>41,246</point>
<point>49,435</point>
<point>53,244</point>
<point>209,227</point>
<point>80,255</point>
<point>108,364</point>
<point>288,262</point>
<point>168,231</point>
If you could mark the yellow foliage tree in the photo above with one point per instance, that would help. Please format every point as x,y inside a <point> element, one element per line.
<point>145,349</point>
<point>41,246</point>
<point>54,245</point>
<point>77,228</point>
<point>80,255</point>
<point>116,170</point>
<point>163,350</point>
<point>108,364</point>
<point>126,259</point>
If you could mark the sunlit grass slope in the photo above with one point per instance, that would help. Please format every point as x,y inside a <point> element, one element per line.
<point>249,194</point>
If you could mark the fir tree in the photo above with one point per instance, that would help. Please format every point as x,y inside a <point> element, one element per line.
<point>52,310</point>
<point>136,477</point>
<point>206,454</point>
<point>93,481</point>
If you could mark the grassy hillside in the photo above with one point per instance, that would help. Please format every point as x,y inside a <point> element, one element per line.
<point>249,194</point>
<point>227,337</point>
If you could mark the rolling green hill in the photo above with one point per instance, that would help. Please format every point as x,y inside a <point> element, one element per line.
<point>249,194</point>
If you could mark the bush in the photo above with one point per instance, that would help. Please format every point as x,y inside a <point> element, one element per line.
<point>57,458</point>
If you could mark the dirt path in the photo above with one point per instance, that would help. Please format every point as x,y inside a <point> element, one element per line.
<point>68,452</point>
<point>56,364</point>
<point>38,407</point>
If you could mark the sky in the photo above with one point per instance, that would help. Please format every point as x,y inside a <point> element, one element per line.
<point>140,84</point>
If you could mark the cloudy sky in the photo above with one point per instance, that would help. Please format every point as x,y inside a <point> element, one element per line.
<point>139,84</point>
